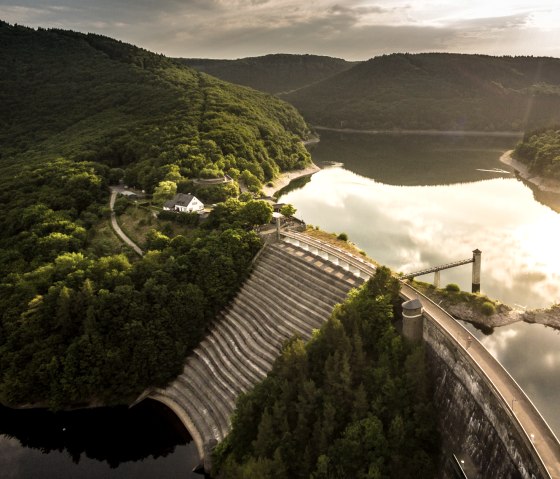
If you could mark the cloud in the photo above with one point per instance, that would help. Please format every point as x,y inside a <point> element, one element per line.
<point>353,29</point>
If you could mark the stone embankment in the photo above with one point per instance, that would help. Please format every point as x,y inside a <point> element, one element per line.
<point>543,184</point>
<point>289,292</point>
<point>469,311</point>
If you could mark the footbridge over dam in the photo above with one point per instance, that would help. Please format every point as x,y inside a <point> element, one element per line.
<point>490,429</point>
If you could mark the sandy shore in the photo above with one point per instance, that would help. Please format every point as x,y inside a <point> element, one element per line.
<point>288,176</point>
<point>541,183</point>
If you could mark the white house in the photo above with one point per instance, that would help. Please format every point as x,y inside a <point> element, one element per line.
<point>184,204</point>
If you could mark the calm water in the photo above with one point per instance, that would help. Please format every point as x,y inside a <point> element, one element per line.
<point>412,202</point>
<point>147,441</point>
<point>531,354</point>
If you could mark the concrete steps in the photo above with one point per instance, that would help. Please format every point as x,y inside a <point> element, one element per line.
<point>290,291</point>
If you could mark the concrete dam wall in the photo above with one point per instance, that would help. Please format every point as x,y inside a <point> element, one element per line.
<point>475,427</point>
<point>289,291</point>
<point>489,427</point>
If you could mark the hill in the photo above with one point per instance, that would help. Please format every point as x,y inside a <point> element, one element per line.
<point>275,73</point>
<point>99,109</point>
<point>81,321</point>
<point>88,97</point>
<point>436,91</point>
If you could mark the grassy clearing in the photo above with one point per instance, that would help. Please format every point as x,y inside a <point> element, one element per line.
<point>103,241</point>
<point>136,221</point>
<point>331,238</point>
<point>479,303</point>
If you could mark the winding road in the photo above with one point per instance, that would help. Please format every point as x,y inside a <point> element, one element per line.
<point>117,228</point>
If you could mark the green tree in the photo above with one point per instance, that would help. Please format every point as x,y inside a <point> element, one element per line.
<point>165,190</point>
<point>288,210</point>
<point>256,212</point>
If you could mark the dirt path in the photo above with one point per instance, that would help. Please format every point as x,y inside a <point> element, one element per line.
<point>117,228</point>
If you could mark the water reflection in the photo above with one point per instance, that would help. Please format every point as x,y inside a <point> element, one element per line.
<point>420,202</point>
<point>145,441</point>
<point>535,369</point>
<point>409,228</point>
<point>414,160</point>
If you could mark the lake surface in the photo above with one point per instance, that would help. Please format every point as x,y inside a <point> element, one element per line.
<point>416,201</point>
<point>412,202</point>
<point>146,441</point>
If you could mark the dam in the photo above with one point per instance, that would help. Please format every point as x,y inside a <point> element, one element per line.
<point>489,427</point>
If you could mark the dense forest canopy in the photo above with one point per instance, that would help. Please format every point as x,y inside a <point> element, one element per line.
<point>540,150</point>
<point>353,402</point>
<point>81,322</point>
<point>274,73</point>
<point>436,91</point>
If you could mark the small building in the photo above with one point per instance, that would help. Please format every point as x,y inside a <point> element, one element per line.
<point>131,195</point>
<point>184,203</point>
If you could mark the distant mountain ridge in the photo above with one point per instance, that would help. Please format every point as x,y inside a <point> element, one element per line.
<point>436,91</point>
<point>274,73</point>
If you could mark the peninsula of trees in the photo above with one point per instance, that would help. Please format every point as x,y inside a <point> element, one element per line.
<point>540,151</point>
<point>353,402</point>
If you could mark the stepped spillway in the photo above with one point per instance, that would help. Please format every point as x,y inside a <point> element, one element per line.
<point>290,291</point>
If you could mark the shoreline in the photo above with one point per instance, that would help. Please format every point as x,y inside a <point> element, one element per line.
<point>516,134</point>
<point>542,184</point>
<point>285,178</point>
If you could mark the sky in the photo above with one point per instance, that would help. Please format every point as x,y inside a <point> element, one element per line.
<point>350,29</point>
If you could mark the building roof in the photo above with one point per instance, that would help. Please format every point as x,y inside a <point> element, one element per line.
<point>412,304</point>
<point>183,199</point>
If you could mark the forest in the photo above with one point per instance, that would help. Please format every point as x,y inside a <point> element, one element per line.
<point>540,151</point>
<point>424,91</point>
<point>354,402</point>
<point>275,73</point>
<point>82,321</point>
<point>436,91</point>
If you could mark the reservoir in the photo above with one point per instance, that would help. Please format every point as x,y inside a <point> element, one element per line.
<point>409,202</point>
<point>416,201</point>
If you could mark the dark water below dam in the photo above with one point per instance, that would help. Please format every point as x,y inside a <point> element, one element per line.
<point>147,441</point>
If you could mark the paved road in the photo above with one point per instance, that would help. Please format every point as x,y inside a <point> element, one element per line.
<point>117,228</point>
<point>545,443</point>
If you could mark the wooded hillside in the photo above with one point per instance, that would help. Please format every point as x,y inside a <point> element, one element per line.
<point>354,402</point>
<point>436,91</point>
<point>81,321</point>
